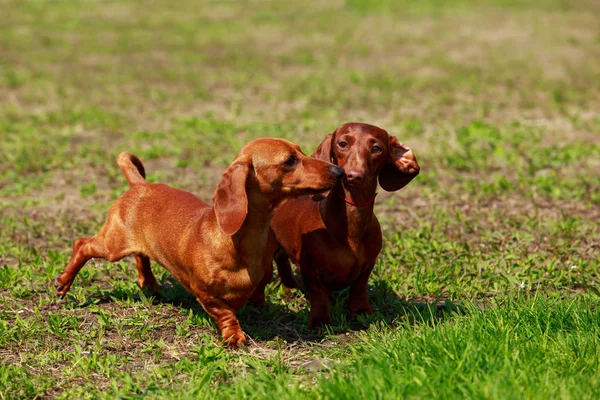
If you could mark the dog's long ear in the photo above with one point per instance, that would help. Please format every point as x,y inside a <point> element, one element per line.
<point>324,151</point>
<point>230,199</point>
<point>400,168</point>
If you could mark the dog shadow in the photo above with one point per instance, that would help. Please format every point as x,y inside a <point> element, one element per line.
<point>277,320</point>
<point>389,309</point>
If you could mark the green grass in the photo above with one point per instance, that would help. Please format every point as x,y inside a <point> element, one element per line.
<point>488,282</point>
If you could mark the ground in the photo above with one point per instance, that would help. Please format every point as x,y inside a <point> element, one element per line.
<point>488,282</point>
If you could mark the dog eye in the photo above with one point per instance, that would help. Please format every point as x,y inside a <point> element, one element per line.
<point>376,150</point>
<point>342,144</point>
<point>291,161</point>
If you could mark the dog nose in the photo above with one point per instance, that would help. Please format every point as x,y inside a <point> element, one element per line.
<point>354,176</point>
<point>337,171</point>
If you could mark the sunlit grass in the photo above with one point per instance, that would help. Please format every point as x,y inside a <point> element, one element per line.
<point>487,285</point>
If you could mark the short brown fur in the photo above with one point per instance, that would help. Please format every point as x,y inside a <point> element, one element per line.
<point>217,253</point>
<point>333,242</point>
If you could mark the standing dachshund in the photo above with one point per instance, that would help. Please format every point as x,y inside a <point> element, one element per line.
<point>220,254</point>
<point>335,242</point>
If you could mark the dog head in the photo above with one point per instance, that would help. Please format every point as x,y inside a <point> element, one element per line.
<point>368,153</point>
<point>265,173</point>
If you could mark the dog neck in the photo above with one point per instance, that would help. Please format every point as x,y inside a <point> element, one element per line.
<point>348,222</point>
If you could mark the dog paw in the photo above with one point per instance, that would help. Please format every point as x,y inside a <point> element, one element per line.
<point>60,289</point>
<point>318,321</point>
<point>234,340</point>
<point>153,290</point>
<point>359,307</point>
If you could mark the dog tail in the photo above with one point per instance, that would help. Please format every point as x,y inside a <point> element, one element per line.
<point>132,168</point>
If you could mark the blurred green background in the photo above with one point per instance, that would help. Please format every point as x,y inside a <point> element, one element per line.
<point>487,284</point>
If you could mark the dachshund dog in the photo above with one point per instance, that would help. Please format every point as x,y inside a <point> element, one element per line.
<point>335,242</point>
<point>220,254</point>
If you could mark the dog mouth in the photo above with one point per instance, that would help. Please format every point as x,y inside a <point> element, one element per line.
<point>355,186</point>
<point>317,190</point>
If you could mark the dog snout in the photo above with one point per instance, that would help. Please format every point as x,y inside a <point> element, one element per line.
<point>355,177</point>
<point>336,171</point>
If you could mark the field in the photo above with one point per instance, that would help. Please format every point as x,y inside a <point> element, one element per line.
<point>489,281</point>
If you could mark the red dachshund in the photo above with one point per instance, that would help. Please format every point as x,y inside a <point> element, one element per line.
<point>335,242</point>
<point>220,254</point>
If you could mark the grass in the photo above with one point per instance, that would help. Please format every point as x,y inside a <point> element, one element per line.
<point>487,286</point>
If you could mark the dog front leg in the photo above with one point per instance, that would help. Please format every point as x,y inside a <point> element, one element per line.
<point>358,302</point>
<point>231,331</point>
<point>318,296</point>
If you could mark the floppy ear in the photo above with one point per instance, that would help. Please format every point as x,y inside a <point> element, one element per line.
<point>400,168</point>
<point>230,199</point>
<point>323,152</point>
